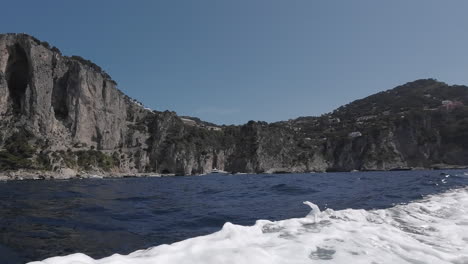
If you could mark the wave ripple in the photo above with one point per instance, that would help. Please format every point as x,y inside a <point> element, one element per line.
<point>431,230</point>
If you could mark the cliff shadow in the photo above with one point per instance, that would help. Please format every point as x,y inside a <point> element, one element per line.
<point>18,77</point>
<point>59,98</point>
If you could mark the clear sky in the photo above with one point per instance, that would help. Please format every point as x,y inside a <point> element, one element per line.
<point>239,60</point>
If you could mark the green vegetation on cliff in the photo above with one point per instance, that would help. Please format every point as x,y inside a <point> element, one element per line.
<point>17,152</point>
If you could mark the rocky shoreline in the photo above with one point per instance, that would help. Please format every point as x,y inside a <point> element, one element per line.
<point>67,174</point>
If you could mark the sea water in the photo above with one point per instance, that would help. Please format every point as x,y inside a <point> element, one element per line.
<point>372,217</point>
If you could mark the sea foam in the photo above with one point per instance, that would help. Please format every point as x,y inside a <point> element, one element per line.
<point>431,230</point>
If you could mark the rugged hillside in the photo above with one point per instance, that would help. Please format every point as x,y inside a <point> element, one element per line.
<point>64,116</point>
<point>420,124</point>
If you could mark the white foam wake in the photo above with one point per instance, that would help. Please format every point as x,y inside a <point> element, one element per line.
<point>432,230</point>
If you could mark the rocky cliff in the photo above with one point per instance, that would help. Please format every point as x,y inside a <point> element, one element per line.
<point>64,116</point>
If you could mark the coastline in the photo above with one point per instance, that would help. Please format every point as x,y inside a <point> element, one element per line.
<point>20,175</point>
<point>66,174</point>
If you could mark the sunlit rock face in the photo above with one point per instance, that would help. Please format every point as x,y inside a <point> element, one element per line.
<point>64,115</point>
<point>62,103</point>
<point>58,98</point>
<point>67,106</point>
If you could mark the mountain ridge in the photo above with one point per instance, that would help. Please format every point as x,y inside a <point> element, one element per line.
<point>64,117</point>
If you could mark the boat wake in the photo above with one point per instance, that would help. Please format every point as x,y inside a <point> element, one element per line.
<point>431,230</point>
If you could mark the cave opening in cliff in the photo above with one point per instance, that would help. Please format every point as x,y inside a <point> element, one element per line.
<point>59,98</point>
<point>17,73</point>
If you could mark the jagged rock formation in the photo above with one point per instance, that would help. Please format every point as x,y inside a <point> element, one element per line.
<point>64,115</point>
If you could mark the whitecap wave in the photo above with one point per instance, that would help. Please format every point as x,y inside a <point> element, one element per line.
<point>432,230</point>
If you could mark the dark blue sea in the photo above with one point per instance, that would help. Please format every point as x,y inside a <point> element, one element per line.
<point>100,217</point>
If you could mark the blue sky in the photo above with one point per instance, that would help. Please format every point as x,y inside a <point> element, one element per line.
<point>234,61</point>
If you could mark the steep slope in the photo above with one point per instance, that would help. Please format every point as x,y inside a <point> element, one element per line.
<point>63,116</point>
<point>60,113</point>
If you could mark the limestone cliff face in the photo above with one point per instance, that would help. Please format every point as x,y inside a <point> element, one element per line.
<point>65,115</point>
<point>58,97</point>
